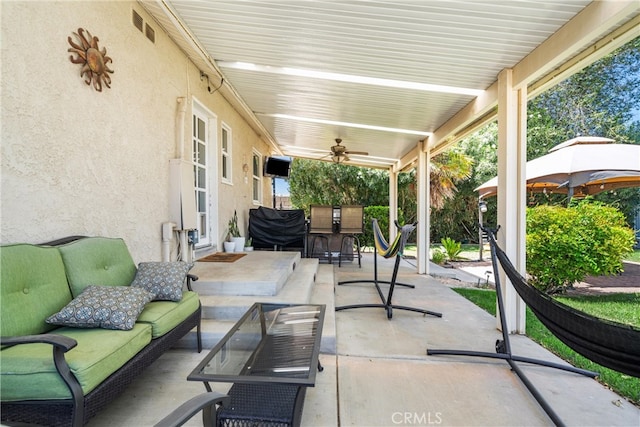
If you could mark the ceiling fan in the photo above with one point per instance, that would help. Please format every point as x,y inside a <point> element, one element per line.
<point>339,153</point>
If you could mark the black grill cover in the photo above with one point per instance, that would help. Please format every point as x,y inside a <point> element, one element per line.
<point>271,227</point>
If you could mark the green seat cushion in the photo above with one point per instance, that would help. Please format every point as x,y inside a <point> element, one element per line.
<point>97,261</point>
<point>28,371</point>
<point>163,316</point>
<point>34,286</point>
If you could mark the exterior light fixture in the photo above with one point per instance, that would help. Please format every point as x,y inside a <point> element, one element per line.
<point>482,208</point>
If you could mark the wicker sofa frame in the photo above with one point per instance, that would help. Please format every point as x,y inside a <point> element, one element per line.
<point>80,408</point>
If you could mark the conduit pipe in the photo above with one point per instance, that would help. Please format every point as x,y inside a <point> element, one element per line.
<point>167,237</point>
<point>180,115</point>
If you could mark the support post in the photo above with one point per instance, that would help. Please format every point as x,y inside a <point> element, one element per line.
<point>424,213</point>
<point>512,105</point>
<point>393,202</point>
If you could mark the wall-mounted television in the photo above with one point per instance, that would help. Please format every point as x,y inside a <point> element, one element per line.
<point>277,167</point>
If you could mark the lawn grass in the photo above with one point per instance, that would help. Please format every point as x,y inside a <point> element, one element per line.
<point>611,305</point>
<point>470,252</point>
<point>621,308</point>
<point>635,256</point>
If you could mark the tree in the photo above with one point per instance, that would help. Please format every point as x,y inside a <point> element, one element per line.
<point>600,100</point>
<point>316,182</point>
<point>457,218</point>
<point>447,169</point>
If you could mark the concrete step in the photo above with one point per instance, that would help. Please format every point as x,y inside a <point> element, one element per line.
<point>219,313</point>
<point>259,273</point>
<point>323,293</point>
<point>212,332</point>
<point>296,290</point>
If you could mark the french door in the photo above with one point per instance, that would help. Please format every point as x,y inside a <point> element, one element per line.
<point>200,150</point>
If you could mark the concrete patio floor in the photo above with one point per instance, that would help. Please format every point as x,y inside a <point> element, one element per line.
<point>380,375</point>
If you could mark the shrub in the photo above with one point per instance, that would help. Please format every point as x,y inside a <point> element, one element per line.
<point>438,256</point>
<point>566,244</point>
<point>451,247</point>
<point>381,213</point>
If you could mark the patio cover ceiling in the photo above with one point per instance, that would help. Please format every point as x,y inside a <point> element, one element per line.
<point>292,68</point>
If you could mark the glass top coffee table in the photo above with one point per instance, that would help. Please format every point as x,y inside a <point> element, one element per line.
<point>271,343</point>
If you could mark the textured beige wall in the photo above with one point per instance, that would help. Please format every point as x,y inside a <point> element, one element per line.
<point>76,161</point>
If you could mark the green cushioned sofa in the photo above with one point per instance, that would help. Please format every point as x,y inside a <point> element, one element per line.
<point>63,375</point>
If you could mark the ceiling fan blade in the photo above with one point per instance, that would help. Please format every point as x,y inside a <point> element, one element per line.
<point>362,153</point>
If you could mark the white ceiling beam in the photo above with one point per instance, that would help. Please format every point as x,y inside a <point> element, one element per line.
<point>584,30</point>
<point>591,25</point>
<point>602,48</point>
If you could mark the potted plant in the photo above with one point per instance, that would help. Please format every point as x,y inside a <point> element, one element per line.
<point>247,245</point>
<point>229,246</point>
<point>234,233</point>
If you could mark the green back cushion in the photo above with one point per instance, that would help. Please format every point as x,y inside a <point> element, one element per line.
<point>97,261</point>
<point>33,286</point>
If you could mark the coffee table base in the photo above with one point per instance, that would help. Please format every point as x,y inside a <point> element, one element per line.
<point>265,405</point>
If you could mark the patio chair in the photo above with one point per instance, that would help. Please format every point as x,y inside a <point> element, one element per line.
<point>386,250</point>
<point>351,225</point>
<point>321,227</point>
<point>207,403</point>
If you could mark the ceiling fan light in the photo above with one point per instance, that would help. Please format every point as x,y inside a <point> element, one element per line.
<point>339,158</point>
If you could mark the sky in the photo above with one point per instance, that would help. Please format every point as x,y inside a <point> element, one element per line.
<point>282,187</point>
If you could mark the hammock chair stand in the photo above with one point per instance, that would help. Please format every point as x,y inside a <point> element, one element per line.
<point>503,347</point>
<point>390,250</point>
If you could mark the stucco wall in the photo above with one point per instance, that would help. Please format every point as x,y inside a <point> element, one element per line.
<point>76,161</point>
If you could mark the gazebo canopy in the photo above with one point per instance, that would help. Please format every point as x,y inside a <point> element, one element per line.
<point>580,167</point>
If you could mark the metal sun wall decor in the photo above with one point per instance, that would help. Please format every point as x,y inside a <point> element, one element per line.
<point>94,61</point>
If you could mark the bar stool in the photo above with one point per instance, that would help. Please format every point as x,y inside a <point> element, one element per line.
<point>351,225</point>
<point>321,226</point>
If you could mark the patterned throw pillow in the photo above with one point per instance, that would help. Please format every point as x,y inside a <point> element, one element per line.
<point>107,307</point>
<point>163,279</point>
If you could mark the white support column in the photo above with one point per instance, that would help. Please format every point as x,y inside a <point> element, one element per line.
<point>512,104</point>
<point>393,202</point>
<point>424,213</point>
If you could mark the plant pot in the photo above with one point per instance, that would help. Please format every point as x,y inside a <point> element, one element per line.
<point>248,248</point>
<point>239,241</point>
<point>229,246</point>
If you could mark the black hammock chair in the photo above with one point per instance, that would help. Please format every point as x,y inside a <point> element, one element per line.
<point>388,250</point>
<point>611,344</point>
